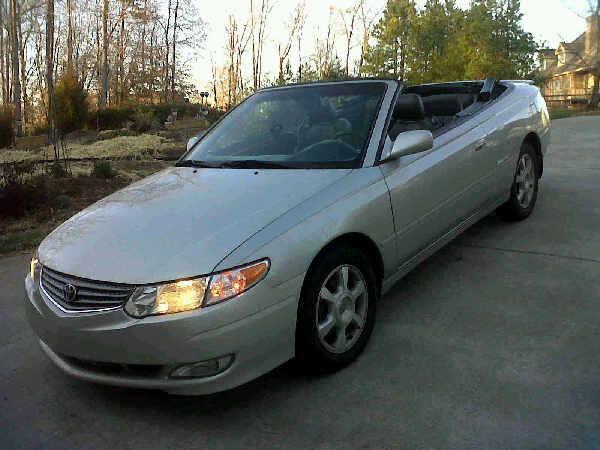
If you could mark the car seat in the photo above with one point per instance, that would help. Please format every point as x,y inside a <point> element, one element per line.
<point>408,115</point>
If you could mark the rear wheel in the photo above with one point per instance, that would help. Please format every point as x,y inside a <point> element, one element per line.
<point>337,310</point>
<point>523,193</point>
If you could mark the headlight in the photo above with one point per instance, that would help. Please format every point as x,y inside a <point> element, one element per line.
<point>186,295</point>
<point>34,265</point>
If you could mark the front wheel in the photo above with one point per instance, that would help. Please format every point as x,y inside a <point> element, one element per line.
<point>524,190</point>
<point>337,310</point>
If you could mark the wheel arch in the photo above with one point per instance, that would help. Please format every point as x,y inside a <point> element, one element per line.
<point>534,140</point>
<point>360,241</point>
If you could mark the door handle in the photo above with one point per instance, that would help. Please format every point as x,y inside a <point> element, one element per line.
<point>480,144</point>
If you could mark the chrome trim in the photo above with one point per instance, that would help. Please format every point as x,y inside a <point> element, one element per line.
<point>73,311</point>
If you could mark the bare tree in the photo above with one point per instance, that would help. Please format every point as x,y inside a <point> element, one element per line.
<point>104,66</point>
<point>69,35</point>
<point>22,64</point>
<point>121,56</point>
<point>593,51</point>
<point>258,29</point>
<point>50,75</point>
<point>348,25</point>
<point>214,81</point>
<point>166,63</point>
<point>3,79</point>
<point>367,20</point>
<point>175,13</point>
<point>324,49</point>
<point>16,75</point>
<point>296,23</point>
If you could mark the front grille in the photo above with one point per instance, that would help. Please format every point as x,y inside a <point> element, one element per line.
<point>77,294</point>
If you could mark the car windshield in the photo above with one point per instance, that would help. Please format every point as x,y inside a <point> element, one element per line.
<point>318,126</point>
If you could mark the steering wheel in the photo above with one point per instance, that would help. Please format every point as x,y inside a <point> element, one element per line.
<point>344,152</point>
<point>352,135</point>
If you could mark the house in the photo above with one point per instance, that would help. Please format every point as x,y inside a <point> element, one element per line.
<point>571,70</point>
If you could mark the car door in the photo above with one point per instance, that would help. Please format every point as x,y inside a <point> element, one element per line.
<point>433,192</point>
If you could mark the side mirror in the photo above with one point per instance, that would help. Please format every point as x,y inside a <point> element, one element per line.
<point>194,139</point>
<point>410,143</point>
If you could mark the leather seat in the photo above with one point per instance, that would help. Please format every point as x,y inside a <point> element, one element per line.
<point>408,115</point>
<point>442,108</point>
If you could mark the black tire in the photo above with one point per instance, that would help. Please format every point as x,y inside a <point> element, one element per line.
<point>311,353</point>
<point>514,209</point>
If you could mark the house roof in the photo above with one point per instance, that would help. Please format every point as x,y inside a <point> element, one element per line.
<point>577,47</point>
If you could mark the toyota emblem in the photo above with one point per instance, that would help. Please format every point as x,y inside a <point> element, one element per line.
<point>69,292</point>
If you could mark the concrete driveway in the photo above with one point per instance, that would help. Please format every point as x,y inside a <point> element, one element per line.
<point>492,343</point>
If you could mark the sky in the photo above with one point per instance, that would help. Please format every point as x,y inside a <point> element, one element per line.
<point>550,21</point>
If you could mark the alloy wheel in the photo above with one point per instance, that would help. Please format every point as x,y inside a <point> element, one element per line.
<point>525,180</point>
<point>342,308</point>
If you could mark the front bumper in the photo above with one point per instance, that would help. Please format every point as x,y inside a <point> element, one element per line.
<point>113,348</point>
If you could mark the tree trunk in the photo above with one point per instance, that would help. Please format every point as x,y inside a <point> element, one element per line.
<point>3,80</point>
<point>6,56</point>
<point>50,74</point>
<point>69,35</point>
<point>104,70</point>
<point>595,100</point>
<point>166,64</point>
<point>252,34</point>
<point>299,58</point>
<point>143,50</point>
<point>174,44</point>
<point>121,68</point>
<point>23,74</point>
<point>16,78</point>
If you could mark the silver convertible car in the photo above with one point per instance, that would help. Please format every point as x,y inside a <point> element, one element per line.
<point>275,234</point>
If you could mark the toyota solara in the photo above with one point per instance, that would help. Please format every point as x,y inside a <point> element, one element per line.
<point>275,234</point>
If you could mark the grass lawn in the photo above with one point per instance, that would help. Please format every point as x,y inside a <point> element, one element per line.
<point>563,113</point>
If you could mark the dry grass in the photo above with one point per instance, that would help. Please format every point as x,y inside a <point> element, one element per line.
<point>144,146</point>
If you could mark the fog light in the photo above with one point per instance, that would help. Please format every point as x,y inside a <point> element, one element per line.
<point>203,368</point>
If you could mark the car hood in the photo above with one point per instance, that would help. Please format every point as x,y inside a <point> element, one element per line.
<point>177,223</point>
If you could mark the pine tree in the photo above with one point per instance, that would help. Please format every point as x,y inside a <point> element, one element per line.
<point>392,54</point>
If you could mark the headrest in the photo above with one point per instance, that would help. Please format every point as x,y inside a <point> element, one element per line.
<point>467,99</point>
<point>409,107</point>
<point>442,105</point>
<point>323,114</point>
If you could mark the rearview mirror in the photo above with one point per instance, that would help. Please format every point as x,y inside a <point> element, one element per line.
<point>194,139</point>
<point>409,143</point>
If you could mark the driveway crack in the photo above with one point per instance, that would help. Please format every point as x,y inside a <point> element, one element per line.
<point>530,252</point>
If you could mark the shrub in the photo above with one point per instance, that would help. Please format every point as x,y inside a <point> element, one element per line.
<point>71,104</point>
<point>57,170</point>
<point>103,169</point>
<point>19,191</point>
<point>7,132</point>
<point>143,120</point>
<point>111,118</point>
<point>63,201</point>
<point>38,130</point>
<point>160,112</point>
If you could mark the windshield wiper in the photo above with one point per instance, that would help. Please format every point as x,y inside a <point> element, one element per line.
<point>252,164</point>
<point>195,163</point>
